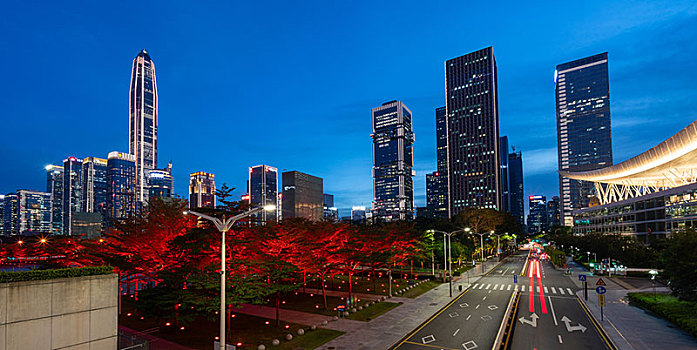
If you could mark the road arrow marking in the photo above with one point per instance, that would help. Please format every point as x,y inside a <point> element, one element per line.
<point>570,328</point>
<point>533,317</point>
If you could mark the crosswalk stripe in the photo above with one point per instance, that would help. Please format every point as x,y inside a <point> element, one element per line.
<point>481,286</point>
<point>496,286</point>
<point>503,286</point>
<point>561,291</point>
<point>553,291</point>
<point>487,286</point>
<point>522,288</point>
<point>538,289</point>
<point>509,288</point>
<point>570,292</point>
<point>545,290</point>
<point>516,287</point>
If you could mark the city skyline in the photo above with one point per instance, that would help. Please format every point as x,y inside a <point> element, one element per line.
<point>637,99</point>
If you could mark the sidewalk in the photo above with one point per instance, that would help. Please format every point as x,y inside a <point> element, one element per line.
<point>155,343</point>
<point>633,328</point>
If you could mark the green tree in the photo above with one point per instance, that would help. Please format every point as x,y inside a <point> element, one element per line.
<point>680,264</point>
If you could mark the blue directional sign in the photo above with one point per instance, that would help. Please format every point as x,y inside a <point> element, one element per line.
<point>600,290</point>
<point>582,278</point>
<point>515,278</point>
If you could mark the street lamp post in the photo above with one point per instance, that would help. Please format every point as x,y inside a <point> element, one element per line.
<point>224,226</point>
<point>447,254</point>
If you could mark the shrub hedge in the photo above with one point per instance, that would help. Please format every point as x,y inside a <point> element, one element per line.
<point>39,275</point>
<point>681,313</point>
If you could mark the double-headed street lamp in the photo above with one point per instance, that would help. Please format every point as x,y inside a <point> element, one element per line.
<point>481,240</point>
<point>447,255</point>
<point>223,226</point>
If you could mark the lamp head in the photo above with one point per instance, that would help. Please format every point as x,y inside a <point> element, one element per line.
<point>270,207</point>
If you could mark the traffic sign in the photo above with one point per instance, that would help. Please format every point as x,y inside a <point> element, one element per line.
<point>341,307</point>
<point>582,278</point>
<point>600,282</point>
<point>601,300</point>
<point>600,290</point>
<point>515,278</point>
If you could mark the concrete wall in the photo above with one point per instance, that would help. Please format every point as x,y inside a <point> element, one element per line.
<point>78,313</point>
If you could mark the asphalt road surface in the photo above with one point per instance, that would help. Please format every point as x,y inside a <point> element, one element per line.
<point>549,316</point>
<point>473,319</point>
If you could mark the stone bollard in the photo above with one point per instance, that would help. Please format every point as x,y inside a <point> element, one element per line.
<point>275,342</point>
<point>360,308</point>
<point>324,323</point>
<point>301,331</point>
<point>346,313</point>
<point>353,309</point>
<point>261,347</point>
<point>335,318</point>
<point>313,327</point>
<point>289,337</point>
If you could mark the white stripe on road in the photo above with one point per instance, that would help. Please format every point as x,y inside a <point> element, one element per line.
<point>522,289</point>
<point>553,290</point>
<point>561,291</point>
<point>558,335</point>
<point>487,287</point>
<point>503,286</point>
<point>516,287</point>
<point>552,308</point>
<point>454,334</point>
<point>536,288</point>
<point>570,292</point>
<point>480,287</point>
<point>509,288</point>
<point>545,290</point>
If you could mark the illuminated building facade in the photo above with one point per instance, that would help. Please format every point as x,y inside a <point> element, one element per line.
<point>202,190</point>
<point>515,186</point>
<point>393,183</point>
<point>302,196</point>
<point>584,140</point>
<point>537,217</point>
<point>72,191</point>
<point>121,185</point>
<point>142,122</point>
<point>10,214</point>
<point>54,186</point>
<point>94,185</point>
<point>263,190</point>
<point>437,181</point>
<point>34,216</point>
<point>331,213</point>
<point>161,182</point>
<point>474,171</point>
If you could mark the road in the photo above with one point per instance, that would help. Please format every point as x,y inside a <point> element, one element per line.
<point>472,320</point>
<point>549,316</point>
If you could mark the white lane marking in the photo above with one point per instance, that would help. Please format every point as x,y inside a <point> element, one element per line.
<point>561,291</point>
<point>553,291</point>
<point>496,286</point>
<point>506,271</point>
<point>545,290</point>
<point>487,287</point>
<point>516,287</point>
<point>570,292</point>
<point>554,316</point>
<point>454,334</point>
<point>474,286</point>
<point>522,289</point>
<point>503,286</point>
<point>509,288</point>
<point>558,335</point>
<point>512,272</point>
<point>536,287</point>
<point>468,317</point>
<point>474,308</point>
<point>481,286</point>
<point>482,298</point>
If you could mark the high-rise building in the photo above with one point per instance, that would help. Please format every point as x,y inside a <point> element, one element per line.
<point>34,216</point>
<point>72,191</point>
<point>302,196</point>
<point>202,190</point>
<point>263,190</point>
<point>442,141</point>
<point>505,202</point>
<point>515,181</point>
<point>142,122</point>
<point>54,186</point>
<point>537,217</point>
<point>2,215</point>
<point>121,185</point>
<point>331,213</point>
<point>584,140</point>
<point>10,214</point>
<point>436,195</point>
<point>474,171</point>
<point>161,182</point>
<point>393,183</point>
<point>359,215</point>
<point>94,186</point>
<point>553,212</point>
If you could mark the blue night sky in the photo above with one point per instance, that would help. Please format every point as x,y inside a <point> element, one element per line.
<point>291,83</point>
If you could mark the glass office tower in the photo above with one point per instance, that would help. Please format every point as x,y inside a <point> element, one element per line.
<point>161,182</point>
<point>505,202</point>
<point>263,190</point>
<point>72,191</point>
<point>584,140</point>
<point>393,183</point>
<point>302,196</point>
<point>474,171</point>
<point>202,190</point>
<point>515,181</point>
<point>54,186</point>
<point>94,186</point>
<point>142,122</point>
<point>121,185</point>
<point>537,218</point>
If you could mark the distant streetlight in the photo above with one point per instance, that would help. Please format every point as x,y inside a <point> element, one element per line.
<point>224,226</point>
<point>448,257</point>
<point>481,240</point>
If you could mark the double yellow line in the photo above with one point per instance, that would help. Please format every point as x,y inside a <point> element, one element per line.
<point>597,325</point>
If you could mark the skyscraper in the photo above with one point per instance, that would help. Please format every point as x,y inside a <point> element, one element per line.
<point>34,212</point>
<point>263,190</point>
<point>302,196</point>
<point>161,182</point>
<point>537,218</point>
<point>437,181</point>
<point>331,213</point>
<point>515,181</point>
<point>584,140</point>
<point>142,122</point>
<point>505,184</point>
<point>10,214</point>
<point>393,185</point>
<point>474,171</point>
<point>94,185</point>
<point>553,212</point>
<point>72,191</point>
<point>54,186</point>
<point>202,190</point>
<point>121,185</point>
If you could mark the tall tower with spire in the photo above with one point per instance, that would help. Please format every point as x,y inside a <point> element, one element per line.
<point>142,121</point>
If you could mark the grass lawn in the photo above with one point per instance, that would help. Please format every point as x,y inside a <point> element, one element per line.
<point>373,311</point>
<point>681,313</point>
<point>367,285</point>
<point>421,289</point>
<point>249,330</point>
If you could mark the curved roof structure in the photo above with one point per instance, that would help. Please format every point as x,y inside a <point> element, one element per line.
<point>671,163</point>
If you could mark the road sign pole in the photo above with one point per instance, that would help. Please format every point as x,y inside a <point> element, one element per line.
<point>585,289</point>
<point>601,313</point>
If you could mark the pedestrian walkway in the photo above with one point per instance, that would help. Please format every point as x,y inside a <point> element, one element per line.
<point>339,294</point>
<point>551,290</point>
<point>632,328</point>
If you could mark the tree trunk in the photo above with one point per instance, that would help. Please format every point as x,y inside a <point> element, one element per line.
<point>324,293</point>
<point>411,268</point>
<point>304,281</point>
<point>278,306</point>
<point>350,286</point>
<point>229,319</point>
<point>374,278</point>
